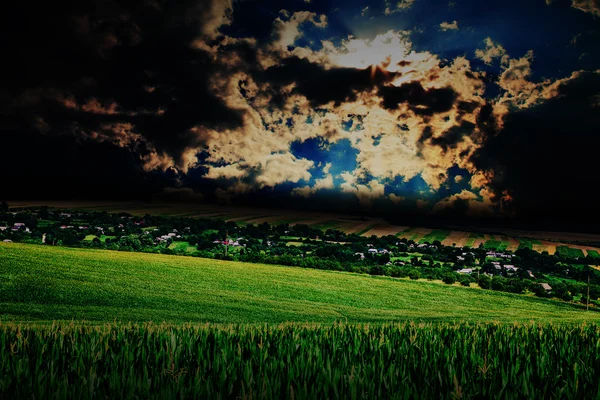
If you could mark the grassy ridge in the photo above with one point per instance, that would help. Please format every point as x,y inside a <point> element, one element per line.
<point>50,283</point>
<point>398,361</point>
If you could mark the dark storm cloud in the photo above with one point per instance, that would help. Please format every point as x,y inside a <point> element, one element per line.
<point>547,156</point>
<point>420,100</point>
<point>454,135</point>
<point>320,85</point>
<point>135,56</point>
<point>60,168</point>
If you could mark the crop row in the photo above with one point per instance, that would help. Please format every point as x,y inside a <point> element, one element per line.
<point>300,361</point>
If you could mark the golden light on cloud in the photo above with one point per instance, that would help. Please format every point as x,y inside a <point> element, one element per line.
<point>386,50</point>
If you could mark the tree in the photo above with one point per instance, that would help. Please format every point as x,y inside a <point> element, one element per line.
<point>449,279</point>
<point>377,270</point>
<point>464,281</point>
<point>414,274</point>
<point>498,283</point>
<point>484,282</point>
<point>383,259</point>
<point>3,207</point>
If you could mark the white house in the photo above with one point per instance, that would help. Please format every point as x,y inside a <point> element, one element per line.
<point>465,271</point>
<point>546,287</point>
<point>511,268</point>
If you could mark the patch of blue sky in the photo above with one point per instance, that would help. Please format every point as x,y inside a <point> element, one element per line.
<point>415,187</point>
<point>454,185</point>
<point>340,154</point>
<point>353,123</point>
<point>376,139</point>
<point>347,125</point>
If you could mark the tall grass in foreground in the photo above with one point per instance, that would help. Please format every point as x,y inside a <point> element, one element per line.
<point>295,361</point>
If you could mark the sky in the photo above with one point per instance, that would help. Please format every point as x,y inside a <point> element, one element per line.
<point>442,109</point>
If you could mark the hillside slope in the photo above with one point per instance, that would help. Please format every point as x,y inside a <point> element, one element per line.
<point>53,283</point>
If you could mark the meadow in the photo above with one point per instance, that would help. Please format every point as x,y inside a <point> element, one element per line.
<point>44,283</point>
<point>88,324</point>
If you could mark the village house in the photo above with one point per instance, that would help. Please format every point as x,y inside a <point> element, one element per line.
<point>511,268</point>
<point>498,255</point>
<point>546,287</point>
<point>466,271</point>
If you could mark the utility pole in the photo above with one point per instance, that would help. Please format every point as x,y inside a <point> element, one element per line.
<point>587,306</point>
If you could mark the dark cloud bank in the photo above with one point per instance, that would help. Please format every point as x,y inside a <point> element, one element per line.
<point>138,55</point>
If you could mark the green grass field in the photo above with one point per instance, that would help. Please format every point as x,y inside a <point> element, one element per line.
<point>569,251</point>
<point>102,238</point>
<point>330,224</point>
<point>470,242</point>
<point>182,246</point>
<point>593,253</point>
<point>45,223</point>
<point>495,244</point>
<point>451,342</point>
<point>527,243</point>
<point>53,283</point>
<point>438,234</point>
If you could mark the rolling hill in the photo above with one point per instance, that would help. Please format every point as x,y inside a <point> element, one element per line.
<point>42,283</point>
